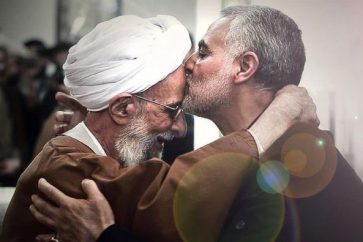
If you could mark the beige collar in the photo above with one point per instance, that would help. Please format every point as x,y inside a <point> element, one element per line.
<point>81,133</point>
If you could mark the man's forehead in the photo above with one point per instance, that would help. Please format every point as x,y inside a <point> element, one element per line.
<point>221,25</point>
<point>216,32</point>
<point>173,84</point>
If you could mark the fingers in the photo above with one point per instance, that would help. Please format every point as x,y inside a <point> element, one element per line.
<point>91,189</point>
<point>68,119</point>
<point>68,101</point>
<point>293,89</point>
<point>59,129</point>
<point>54,194</point>
<point>315,120</point>
<point>100,208</point>
<point>44,207</point>
<point>287,89</point>
<point>64,116</point>
<point>45,220</point>
<point>44,237</point>
<point>309,110</point>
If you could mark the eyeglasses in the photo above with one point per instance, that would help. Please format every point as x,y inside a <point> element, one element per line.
<point>174,112</point>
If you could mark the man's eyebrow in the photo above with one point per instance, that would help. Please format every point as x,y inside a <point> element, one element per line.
<point>202,44</point>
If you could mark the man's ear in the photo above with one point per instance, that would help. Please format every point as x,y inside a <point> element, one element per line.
<point>246,67</point>
<point>122,108</point>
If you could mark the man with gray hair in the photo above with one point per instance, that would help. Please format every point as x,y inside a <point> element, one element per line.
<point>243,59</point>
<point>133,107</point>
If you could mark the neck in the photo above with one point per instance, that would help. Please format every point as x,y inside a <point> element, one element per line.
<point>102,127</point>
<point>247,104</point>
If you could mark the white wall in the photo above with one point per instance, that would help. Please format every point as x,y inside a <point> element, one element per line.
<point>24,19</point>
<point>183,10</point>
<point>207,11</point>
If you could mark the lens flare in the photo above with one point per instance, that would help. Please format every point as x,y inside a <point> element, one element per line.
<point>311,162</point>
<point>208,191</point>
<point>320,143</point>
<point>273,177</point>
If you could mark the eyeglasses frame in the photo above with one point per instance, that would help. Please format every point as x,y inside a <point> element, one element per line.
<point>178,109</point>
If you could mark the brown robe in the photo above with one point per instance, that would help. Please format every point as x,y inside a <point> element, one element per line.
<point>152,200</point>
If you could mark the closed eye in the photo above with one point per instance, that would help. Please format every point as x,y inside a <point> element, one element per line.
<point>201,54</point>
<point>203,50</point>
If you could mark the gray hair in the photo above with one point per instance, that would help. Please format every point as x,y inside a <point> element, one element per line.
<point>274,37</point>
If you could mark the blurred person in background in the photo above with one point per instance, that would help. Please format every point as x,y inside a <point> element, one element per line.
<point>10,162</point>
<point>57,55</point>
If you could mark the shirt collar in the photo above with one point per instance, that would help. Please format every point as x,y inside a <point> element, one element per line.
<point>81,133</point>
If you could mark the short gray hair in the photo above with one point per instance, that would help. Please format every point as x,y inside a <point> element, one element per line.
<point>274,37</point>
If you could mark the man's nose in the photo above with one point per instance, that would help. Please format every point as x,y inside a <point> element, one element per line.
<point>179,126</point>
<point>189,62</point>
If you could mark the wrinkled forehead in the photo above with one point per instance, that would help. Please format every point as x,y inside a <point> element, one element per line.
<point>171,89</point>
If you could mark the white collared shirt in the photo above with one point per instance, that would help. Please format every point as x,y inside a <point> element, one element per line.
<point>81,133</point>
<point>258,144</point>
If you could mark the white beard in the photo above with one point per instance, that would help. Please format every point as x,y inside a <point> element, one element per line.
<point>135,143</point>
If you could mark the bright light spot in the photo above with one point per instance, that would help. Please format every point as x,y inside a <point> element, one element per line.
<point>320,142</point>
<point>273,177</point>
<point>356,117</point>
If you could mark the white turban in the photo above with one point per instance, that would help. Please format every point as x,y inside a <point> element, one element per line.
<point>125,54</point>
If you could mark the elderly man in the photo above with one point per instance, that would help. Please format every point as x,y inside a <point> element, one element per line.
<point>246,55</point>
<point>113,72</point>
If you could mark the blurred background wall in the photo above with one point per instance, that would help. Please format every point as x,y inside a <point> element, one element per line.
<point>24,19</point>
